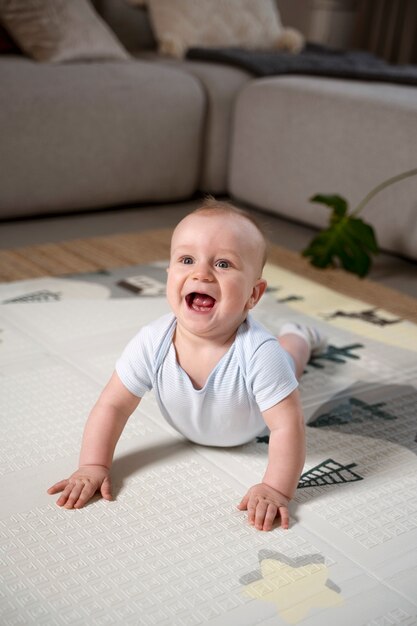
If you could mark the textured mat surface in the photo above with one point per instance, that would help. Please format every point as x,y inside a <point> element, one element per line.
<point>172,548</point>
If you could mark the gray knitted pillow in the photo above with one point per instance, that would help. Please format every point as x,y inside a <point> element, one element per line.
<point>60,30</point>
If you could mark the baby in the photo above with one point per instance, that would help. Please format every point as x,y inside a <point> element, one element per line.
<point>220,378</point>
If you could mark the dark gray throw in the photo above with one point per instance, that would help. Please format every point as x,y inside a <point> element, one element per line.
<point>313,60</point>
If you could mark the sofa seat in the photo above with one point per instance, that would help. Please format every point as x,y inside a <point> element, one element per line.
<point>90,135</point>
<point>294,137</point>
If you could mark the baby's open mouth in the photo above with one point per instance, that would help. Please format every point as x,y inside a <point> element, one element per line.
<point>201,302</point>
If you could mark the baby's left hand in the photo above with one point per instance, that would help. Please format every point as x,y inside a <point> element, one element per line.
<point>263,504</point>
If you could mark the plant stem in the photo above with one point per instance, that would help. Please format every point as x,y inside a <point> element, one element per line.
<point>382,186</point>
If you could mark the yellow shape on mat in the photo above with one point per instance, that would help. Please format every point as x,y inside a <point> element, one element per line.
<point>294,590</point>
<point>321,302</point>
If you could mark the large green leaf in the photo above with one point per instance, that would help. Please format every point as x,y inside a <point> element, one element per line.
<point>335,202</point>
<point>347,242</point>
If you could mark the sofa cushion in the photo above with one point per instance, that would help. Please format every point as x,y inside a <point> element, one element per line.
<point>60,30</point>
<point>91,135</point>
<point>181,24</point>
<point>295,137</point>
<point>221,84</point>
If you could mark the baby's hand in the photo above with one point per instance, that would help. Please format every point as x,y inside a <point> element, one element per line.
<point>79,488</point>
<point>263,504</point>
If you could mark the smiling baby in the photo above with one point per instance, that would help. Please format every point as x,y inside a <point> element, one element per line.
<point>219,377</point>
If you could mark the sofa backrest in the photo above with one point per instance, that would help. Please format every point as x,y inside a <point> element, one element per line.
<point>130,24</point>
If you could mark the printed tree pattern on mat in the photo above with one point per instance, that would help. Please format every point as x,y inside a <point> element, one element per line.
<point>393,419</point>
<point>336,355</point>
<point>328,472</point>
<point>368,315</point>
<point>44,295</point>
<point>345,412</point>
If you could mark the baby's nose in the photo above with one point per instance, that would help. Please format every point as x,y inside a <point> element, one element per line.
<point>203,272</point>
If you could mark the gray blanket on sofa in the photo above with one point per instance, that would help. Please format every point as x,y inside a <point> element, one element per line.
<point>313,60</point>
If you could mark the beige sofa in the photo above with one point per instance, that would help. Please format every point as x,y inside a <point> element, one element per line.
<point>151,129</point>
<point>297,136</point>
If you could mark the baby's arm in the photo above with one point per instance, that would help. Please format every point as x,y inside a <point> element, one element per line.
<point>286,457</point>
<point>101,434</point>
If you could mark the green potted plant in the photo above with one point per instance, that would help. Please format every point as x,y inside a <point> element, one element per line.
<point>347,241</point>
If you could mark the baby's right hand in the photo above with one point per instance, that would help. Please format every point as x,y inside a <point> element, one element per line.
<point>81,486</point>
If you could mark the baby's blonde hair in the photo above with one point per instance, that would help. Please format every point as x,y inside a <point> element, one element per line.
<point>211,206</point>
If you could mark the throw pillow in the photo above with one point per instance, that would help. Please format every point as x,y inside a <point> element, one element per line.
<point>254,24</point>
<point>60,30</point>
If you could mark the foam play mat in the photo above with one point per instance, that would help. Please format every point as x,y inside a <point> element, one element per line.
<point>172,548</point>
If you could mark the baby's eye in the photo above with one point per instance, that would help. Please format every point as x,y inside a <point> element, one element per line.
<point>187,260</point>
<point>224,265</point>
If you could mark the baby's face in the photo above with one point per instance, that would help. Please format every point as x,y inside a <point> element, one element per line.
<point>214,273</point>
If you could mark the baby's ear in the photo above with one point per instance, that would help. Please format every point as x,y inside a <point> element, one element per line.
<point>257,292</point>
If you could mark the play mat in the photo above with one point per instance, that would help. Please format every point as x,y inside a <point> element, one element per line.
<point>172,548</point>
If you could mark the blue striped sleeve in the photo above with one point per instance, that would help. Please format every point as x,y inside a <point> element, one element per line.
<point>270,374</point>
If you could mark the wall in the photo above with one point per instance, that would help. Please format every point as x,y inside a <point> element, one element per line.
<point>323,21</point>
<point>388,28</point>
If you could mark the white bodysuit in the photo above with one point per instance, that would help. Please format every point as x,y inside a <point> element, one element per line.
<point>253,375</point>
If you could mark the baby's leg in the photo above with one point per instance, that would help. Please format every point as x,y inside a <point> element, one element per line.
<point>301,342</point>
